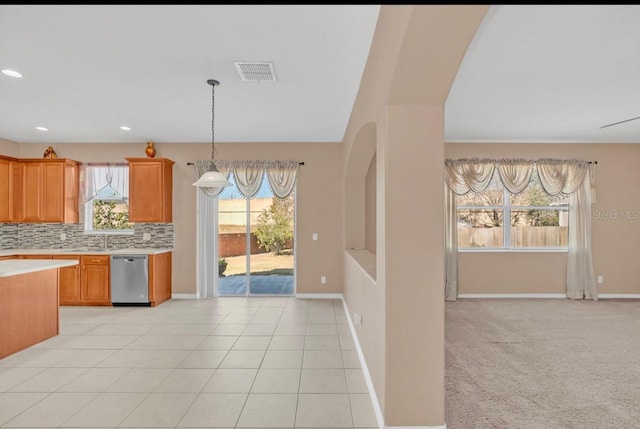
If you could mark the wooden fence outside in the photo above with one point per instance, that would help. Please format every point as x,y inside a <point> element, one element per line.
<point>528,236</point>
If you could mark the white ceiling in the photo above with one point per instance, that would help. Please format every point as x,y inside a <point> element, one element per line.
<point>533,73</point>
<point>89,69</point>
<point>549,74</point>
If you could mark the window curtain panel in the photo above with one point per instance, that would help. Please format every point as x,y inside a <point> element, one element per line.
<point>581,283</point>
<point>451,245</point>
<point>206,277</point>
<point>569,177</point>
<point>223,167</point>
<point>95,178</point>
<point>248,175</point>
<point>282,177</point>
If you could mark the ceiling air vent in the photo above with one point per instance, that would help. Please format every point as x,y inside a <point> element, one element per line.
<point>255,71</point>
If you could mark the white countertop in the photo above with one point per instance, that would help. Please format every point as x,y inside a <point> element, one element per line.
<point>84,251</point>
<point>12,267</point>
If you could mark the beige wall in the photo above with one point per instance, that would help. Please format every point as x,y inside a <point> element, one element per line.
<point>370,208</point>
<point>9,148</point>
<point>319,200</point>
<point>414,57</point>
<point>615,239</point>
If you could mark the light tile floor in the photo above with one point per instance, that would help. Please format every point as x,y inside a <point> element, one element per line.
<point>264,362</point>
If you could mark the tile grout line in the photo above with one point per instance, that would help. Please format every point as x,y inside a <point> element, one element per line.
<point>259,313</point>
<point>246,399</point>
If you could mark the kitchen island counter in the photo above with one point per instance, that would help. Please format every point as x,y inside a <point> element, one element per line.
<point>29,311</point>
<point>12,267</point>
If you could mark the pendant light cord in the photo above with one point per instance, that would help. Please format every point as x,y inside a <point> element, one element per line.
<point>213,84</point>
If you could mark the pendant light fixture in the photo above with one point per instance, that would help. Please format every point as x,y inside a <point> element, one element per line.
<point>212,178</point>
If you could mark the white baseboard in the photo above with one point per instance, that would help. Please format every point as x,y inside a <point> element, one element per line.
<point>546,295</point>
<point>365,370</point>
<point>619,296</point>
<point>513,295</point>
<point>367,377</point>
<point>319,295</point>
<point>184,296</point>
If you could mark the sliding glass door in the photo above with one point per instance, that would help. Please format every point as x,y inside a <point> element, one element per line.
<point>255,243</point>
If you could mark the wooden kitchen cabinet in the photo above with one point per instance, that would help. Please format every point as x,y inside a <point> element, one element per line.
<point>10,188</point>
<point>159,278</point>
<point>49,191</point>
<point>6,190</point>
<point>86,283</point>
<point>95,287</point>
<point>150,189</point>
<point>69,281</point>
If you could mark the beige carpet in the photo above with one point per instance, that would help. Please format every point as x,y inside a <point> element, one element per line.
<point>542,363</point>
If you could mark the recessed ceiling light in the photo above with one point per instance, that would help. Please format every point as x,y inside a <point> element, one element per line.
<point>125,128</point>
<point>42,129</point>
<point>11,73</point>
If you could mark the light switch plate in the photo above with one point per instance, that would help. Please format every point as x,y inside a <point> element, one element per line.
<point>315,236</point>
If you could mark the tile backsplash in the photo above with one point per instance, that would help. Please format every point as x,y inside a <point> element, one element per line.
<point>49,236</point>
<point>9,236</point>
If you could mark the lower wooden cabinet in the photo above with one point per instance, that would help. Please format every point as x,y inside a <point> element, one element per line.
<point>159,278</point>
<point>95,288</point>
<point>86,283</point>
<point>69,281</point>
<point>89,282</point>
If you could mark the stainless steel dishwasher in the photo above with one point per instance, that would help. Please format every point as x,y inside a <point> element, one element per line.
<point>130,280</point>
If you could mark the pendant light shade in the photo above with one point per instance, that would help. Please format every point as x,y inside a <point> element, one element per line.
<point>212,178</point>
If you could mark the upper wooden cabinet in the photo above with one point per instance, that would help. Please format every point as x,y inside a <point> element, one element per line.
<point>150,189</point>
<point>7,191</point>
<point>49,191</point>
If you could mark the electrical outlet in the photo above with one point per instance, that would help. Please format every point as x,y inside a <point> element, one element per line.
<point>357,320</point>
<point>323,279</point>
<point>146,236</point>
<point>600,279</point>
<point>315,236</point>
<point>63,236</point>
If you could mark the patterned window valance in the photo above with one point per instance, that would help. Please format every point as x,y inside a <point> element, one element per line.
<point>556,175</point>
<point>281,175</point>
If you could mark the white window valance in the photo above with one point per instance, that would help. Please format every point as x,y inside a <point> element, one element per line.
<point>556,175</point>
<point>281,175</point>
